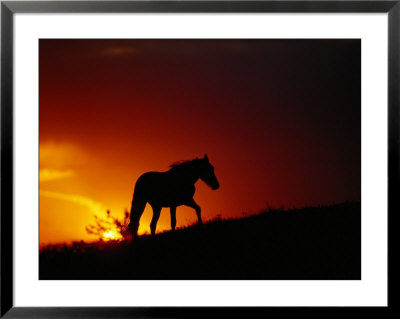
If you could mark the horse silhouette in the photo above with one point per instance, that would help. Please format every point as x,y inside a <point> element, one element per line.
<point>172,188</point>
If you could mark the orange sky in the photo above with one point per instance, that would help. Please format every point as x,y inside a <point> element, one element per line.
<point>279,119</point>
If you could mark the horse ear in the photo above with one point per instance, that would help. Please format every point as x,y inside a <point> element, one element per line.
<point>206,157</point>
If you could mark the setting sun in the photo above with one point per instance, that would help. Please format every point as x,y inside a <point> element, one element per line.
<point>112,234</point>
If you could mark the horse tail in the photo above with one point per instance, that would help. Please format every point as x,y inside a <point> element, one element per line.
<point>137,208</point>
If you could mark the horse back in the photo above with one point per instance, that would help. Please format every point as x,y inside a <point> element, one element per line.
<point>164,189</point>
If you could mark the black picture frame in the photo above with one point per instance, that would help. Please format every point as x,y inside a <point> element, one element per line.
<point>9,8</point>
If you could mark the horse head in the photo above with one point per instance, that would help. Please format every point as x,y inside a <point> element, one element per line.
<point>207,174</point>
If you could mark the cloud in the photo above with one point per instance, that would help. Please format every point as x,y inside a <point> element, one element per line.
<point>95,207</point>
<point>62,156</point>
<point>51,174</point>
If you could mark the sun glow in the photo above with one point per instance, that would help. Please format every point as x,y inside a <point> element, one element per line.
<point>111,234</point>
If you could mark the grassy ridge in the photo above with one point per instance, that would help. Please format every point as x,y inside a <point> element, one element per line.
<point>310,243</point>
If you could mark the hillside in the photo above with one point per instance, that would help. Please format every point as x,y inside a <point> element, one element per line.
<point>309,243</point>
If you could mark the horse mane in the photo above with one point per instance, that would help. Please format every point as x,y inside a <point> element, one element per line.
<point>183,164</point>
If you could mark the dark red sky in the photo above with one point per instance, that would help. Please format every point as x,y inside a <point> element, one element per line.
<point>279,119</point>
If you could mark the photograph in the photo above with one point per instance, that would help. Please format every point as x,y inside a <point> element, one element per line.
<point>199,159</point>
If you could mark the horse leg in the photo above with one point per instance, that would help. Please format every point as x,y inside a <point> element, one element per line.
<point>137,209</point>
<point>197,208</point>
<point>154,220</point>
<point>173,217</point>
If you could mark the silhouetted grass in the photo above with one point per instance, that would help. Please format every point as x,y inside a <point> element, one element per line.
<point>310,243</point>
